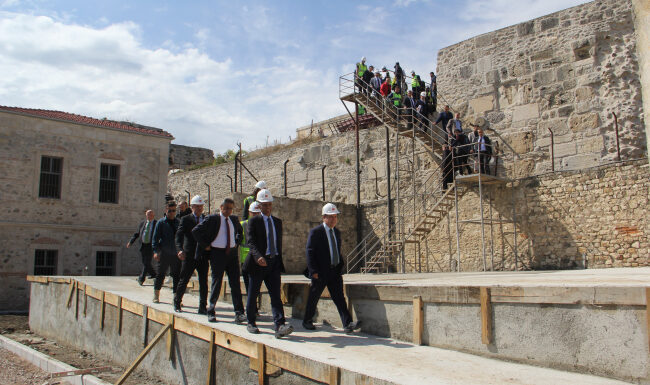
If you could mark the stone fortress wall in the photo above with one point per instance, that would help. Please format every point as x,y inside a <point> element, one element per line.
<point>568,71</point>
<point>183,157</point>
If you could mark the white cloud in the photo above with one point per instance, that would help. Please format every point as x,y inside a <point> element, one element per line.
<point>108,73</point>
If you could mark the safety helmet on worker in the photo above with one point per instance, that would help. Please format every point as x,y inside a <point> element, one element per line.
<point>197,200</point>
<point>330,209</point>
<point>260,185</point>
<point>255,207</point>
<point>423,94</point>
<point>264,196</point>
<point>363,59</point>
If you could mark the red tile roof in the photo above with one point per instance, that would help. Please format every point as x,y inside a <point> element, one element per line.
<point>80,119</point>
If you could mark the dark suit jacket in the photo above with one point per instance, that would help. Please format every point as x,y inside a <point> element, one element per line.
<point>488,145</point>
<point>256,242</point>
<point>140,232</point>
<point>318,252</point>
<point>184,239</point>
<point>205,232</point>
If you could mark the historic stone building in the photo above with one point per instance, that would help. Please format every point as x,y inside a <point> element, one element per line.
<point>73,189</point>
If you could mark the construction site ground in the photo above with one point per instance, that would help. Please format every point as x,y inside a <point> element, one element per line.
<point>17,371</point>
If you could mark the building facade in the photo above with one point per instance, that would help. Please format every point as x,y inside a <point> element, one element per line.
<point>73,189</point>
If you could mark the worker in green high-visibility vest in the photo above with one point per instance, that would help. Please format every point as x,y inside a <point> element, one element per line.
<point>416,84</point>
<point>251,198</point>
<point>254,210</point>
<point>360,70</point>
<point>395,98</point>
<point>362,110</point>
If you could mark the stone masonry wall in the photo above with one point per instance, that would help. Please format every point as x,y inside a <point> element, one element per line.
<point>185,156</point>
<point>594,218</point>
<point>569,72</point>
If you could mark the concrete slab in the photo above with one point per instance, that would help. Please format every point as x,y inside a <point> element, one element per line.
<point>384,360</point>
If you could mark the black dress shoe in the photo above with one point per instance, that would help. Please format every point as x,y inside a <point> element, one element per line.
<point>177,308</point>
<point>283,331</point>
<point>352,326</point>
<point>212,317</point>
<point>240,318</point>
<point>309,325</point>
<point>140,281</point>
<point>252,329</point>
<point>203,310</point>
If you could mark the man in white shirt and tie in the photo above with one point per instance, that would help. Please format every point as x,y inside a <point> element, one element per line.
<point>219,236</point>
<point>264,264</point>
<point>325,267</point>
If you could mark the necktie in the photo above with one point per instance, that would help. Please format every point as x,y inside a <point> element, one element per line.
<point>270,239</point>
<point>145,236</point>
<point>335,251</point>
<point>227,237</point>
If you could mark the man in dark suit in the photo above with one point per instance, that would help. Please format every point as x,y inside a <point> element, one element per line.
<point>264,264</point>
<point>164,250</point>
<point>325,267</point>
<point>483,149</point>
<point>218,236</point>
<point>145,233</point>
<point>191,260</point>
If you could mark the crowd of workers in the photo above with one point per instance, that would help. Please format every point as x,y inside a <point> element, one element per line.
<point>417,106</point>
<point>220,243</point>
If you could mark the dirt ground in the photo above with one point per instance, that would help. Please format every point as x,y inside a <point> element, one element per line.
<point>16,327</point>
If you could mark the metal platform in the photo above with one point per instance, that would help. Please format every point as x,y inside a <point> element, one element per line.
<point>485,179</point>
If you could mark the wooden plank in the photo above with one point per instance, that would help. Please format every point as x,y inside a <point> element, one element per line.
<point>159,316</point>
<point>132,306</point>
<point>346,292</point>
<point>119,316</point>
<point>486,316</point>
<point>37,279</point>
<point>418,320</point>
<point>300,365</point>
<point>141,356</point>
<point>111,299</point>
<point>94,293</point>
<point>334,376</point>
<point>261,360</point>
<point>284,293</point>
<point>193,328</point>
<point>102,312</point>
<point>80,372</point>
<point>69,300</point>
<point>170,340</point>
<point>269,370</point>
<point>212,349</point>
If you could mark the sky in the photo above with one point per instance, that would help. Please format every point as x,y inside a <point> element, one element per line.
<point>216,73</point>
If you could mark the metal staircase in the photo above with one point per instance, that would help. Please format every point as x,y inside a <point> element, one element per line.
<point>423,204</point>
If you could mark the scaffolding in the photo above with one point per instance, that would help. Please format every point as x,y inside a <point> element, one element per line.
<point>416,199</point>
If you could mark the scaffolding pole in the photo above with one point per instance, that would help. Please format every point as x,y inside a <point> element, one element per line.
<point>491,234</point>
<point>480,196</point>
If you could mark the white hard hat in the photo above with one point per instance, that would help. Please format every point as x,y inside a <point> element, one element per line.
<point>261,184</point>
<point>264,196</point>
<point>423,93</point>
<point>197,200</point>
<point>330,209</point>
<point>363,58</point>
<point>255,208</point>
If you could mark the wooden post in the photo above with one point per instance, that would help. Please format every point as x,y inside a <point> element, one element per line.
<point>85,300</point>
<point>334,375</point>
<point>76,300</point>
<point>346,291</point>
<point>647,313</point>
<point>418,319</point>
<point>261,360</point>
<point>486,316</point>
<point>119,316</point>
<point>145,324</point>
<point>170,338</point>
<point>72,286</point>
<point>141,356</point>
<point>212,349</point>
<point>102,311</point>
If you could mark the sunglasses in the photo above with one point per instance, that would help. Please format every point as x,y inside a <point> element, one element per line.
<point>171,211</point>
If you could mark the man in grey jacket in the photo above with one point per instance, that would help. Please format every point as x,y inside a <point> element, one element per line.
<point>164,248</point>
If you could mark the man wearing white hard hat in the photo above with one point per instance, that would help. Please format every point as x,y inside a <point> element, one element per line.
<point>264,264</point>
<point>251,198</point>
<point>253,210</point>
<point>186,246</point>
<point>325,267</point>
<point>218,236</point>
